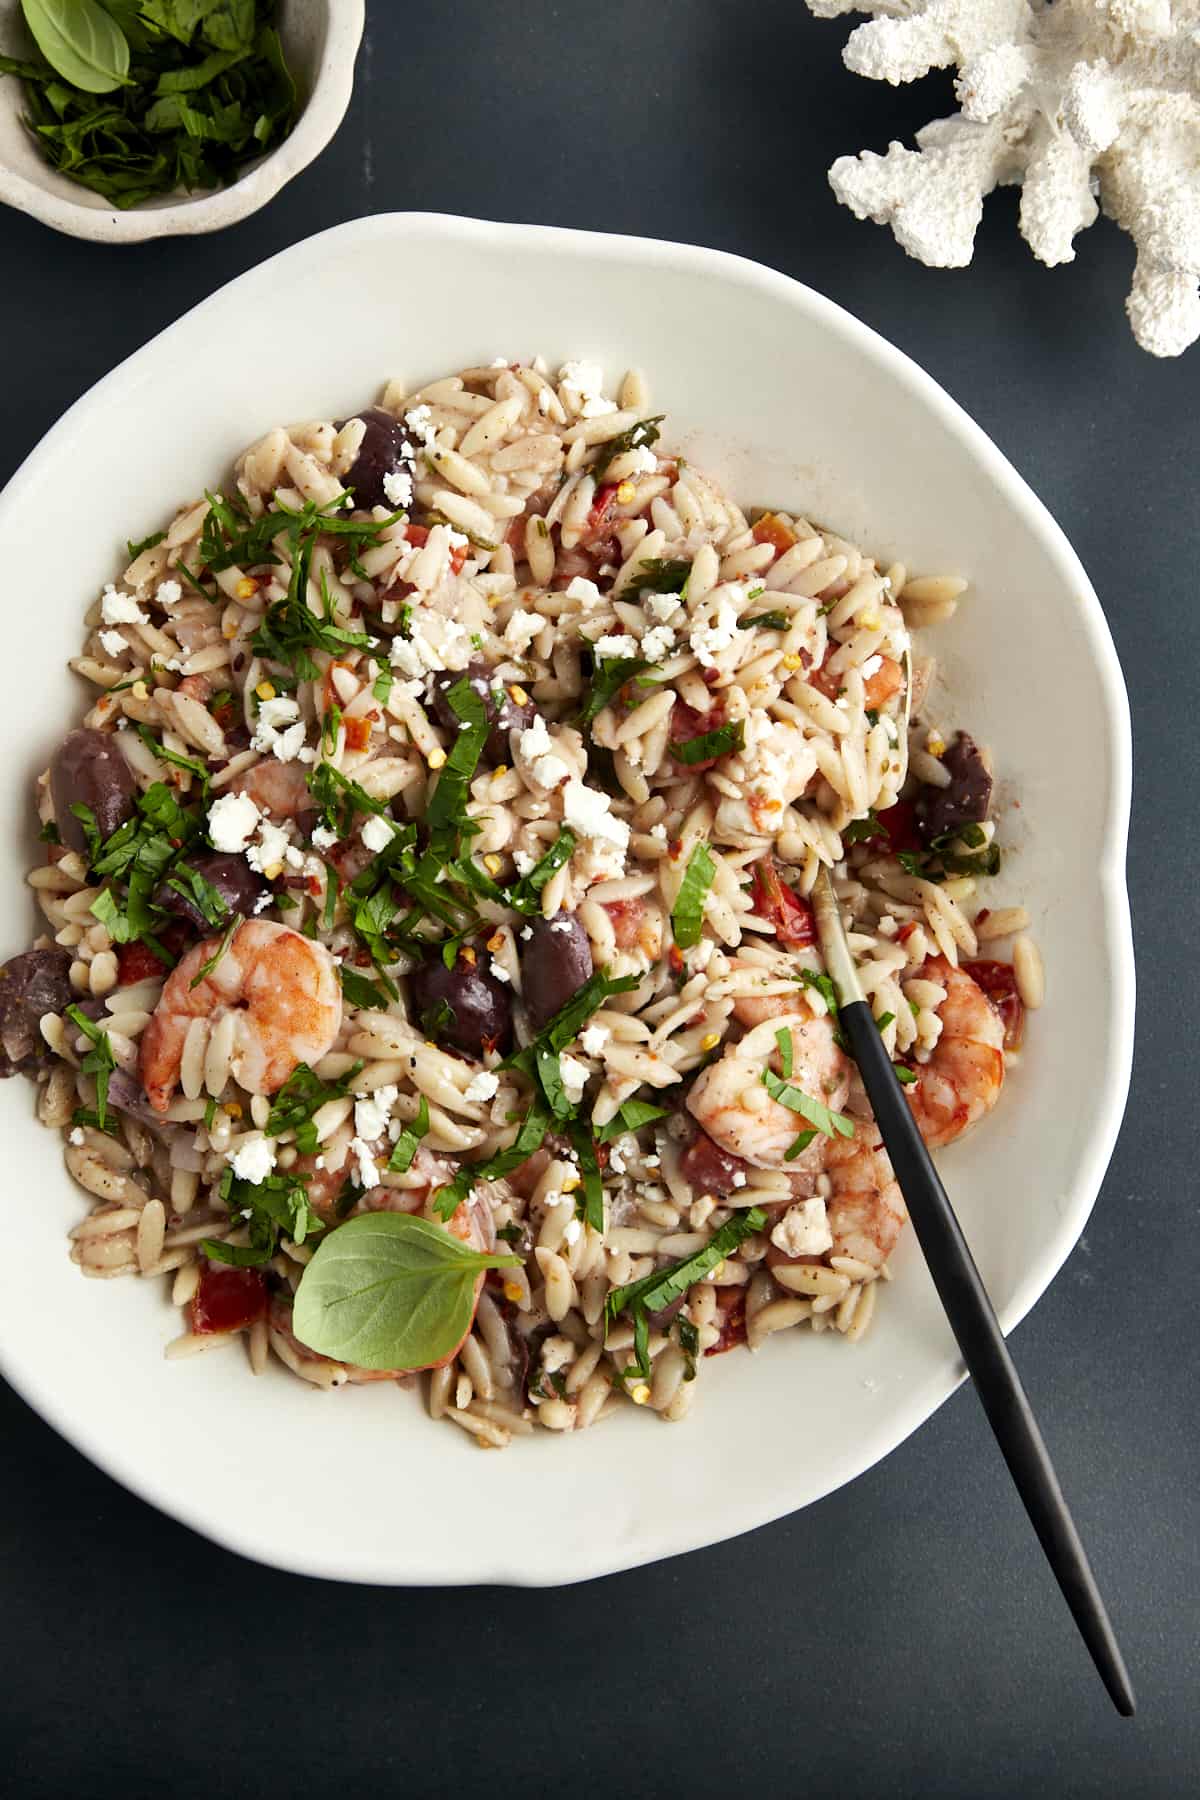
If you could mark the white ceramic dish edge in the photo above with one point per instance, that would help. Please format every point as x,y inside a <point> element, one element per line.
<point>665,1537</point>
<point>333,27</point>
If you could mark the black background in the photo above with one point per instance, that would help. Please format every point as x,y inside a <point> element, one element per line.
<point>902,1637</point>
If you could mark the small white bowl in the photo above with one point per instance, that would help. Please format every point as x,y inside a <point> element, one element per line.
<point>320,40</point>
<point>791,403</point>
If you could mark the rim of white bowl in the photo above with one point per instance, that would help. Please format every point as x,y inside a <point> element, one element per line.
<point>322,114</point>
<point>343,1561</point>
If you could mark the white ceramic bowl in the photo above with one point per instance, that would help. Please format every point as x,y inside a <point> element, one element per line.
<point>320,39</point>
<point>792,402</point>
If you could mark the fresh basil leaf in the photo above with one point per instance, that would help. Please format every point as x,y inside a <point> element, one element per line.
<point>687,915</point>
<point>631,1116</point>
<point>408,1143</point>
<point>390,1291</point>
<point>709,744</point>
<point>81,41</point>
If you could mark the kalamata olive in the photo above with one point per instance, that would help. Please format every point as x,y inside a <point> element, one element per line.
<point>387,449</point>
<point>235,881</point>
<point>965,801</point>
<point>89,770</point>
<point>504,714</point>
<point>556,960</point>
<point>463,1007</point>
<point>709,1169</point>
<point>32,984</point>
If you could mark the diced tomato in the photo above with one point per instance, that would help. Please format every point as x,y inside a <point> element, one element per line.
<point>137,962</point>
<point>900,823</point>
<point>774,900</point>
<point>887,680</point>
<point>602,505</point>
<point>822,680</point>
<point>1000,985</point>
<point>227,1299</point>
<point>626,916</point>
<point>358,732</point>
<point>419,535</point>
<point>226,714</point>
<point>731,1311</point>
<point>770,529</point>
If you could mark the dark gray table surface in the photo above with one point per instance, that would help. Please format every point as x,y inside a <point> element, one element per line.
<point>902,1637</point>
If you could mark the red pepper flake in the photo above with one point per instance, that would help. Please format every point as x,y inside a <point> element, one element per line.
<point>228,1299</point>
<point>358,733</point>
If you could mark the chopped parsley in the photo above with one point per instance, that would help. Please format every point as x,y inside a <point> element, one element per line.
<point>98,1062</point>
<point>271,1209</point>
<point>303,1094</point>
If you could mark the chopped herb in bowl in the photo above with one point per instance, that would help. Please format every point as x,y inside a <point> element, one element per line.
<point>140,98</point>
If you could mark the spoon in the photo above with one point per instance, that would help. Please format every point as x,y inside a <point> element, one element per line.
<point>970,1312</point>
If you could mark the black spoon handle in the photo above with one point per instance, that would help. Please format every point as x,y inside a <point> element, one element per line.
<point>985,1352</point>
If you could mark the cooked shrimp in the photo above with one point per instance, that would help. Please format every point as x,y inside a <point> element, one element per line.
<point>730,1102</point>
<point>865,1208</point>
<point>278,788</point>
<point>282,990</point>
<point>756,1008</point>
<point>965,1072</point>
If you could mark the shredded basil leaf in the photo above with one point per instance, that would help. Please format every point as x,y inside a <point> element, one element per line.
<point>608,678</point>
<point>720,742</point>
<point>303,1094</point>
<point>98,1062</point>
<point>408,1143</point>
<point>631,1116</point>
<point>641,435</point>
<point>207,968</point>
<point>657,1290</point>
<point>687,915</point>
<point>271,1209</point>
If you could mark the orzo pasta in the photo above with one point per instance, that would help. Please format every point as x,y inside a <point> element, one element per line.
<point>427,978</point>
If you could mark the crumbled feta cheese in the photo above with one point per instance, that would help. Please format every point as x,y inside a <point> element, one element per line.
<point>262,903</point>
<point>524,861</point>
<point>708,641</point>
<point>574,1076</point>
<point>398,487</point>
<point>589,812</point>
<point>867,669</point>
<point>739,1178</point>
<point>372,1112</point>
<point>323,838</point>
<point>500,972</point>
<point>76,1136</point>
<point>114,644</point>
<point>583,384</point>
<point>699,956</point>
<point>279,728</point>
<point>616,1158</point>
<point>270,851</point>
<point>420,422</point>
<point>366,1171</point>
<point>593,1039</point>
<point>804,1229</point>
<point>521,630</point>
<point>557,1353</point>
<point>581,589</point>
<point>644,460</point>
<point>121,609</point>
<point>572,1231</point>
<point>659,833</point>
<point>253,1160</point>
<point>482,1086</point>
<point>616,646</point>
<point>526,933</point>
<point>376,834</point>
<point>168,593</point>
<point>232,822</point>
<point>662,606</point>
<point>658,642</point>
<point>534,753</point>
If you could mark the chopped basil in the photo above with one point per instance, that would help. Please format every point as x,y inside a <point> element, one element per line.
<point>204,896</point>
<point>629,1117</point>
<point>382,688</point>
<point>529,1138</point>
<point>884,1020</point>
<point>657,1290</point>
<point>146,543</point>
<point>592,1191</point>
<point>91,831</point>
<point>861,831</point>
<point>173,757</point>
<point>608,678</point>
<point>711,743</point>
<point>639,436</point>
<point>271,1209</point>
<point>903,1075</point>
<point>833,1124</point>
<point>360,992</point>
<point>687,915</point>
<point>340,799</point>
<point>98,1062</point>
<point>655,576</point>
<point>524,897</point>
<point>768,621</point>
<point>49,834</point>
<point>821,984</point>
<point>407,1144</point>
<point>911,862</point>
<point>448,804</point>
<point>207,968</point>
<point>539,1058</point>
<point>303,1094</point>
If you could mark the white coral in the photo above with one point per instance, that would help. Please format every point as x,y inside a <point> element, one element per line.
<point>1076,102</point>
